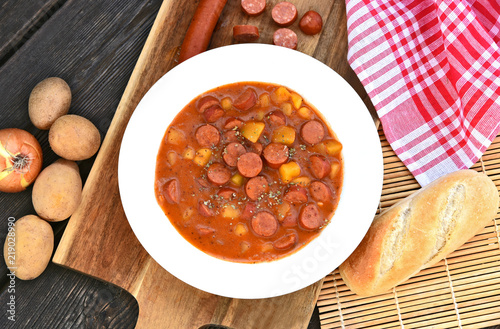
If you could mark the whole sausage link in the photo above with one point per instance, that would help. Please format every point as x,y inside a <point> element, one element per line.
<point>201,28</point>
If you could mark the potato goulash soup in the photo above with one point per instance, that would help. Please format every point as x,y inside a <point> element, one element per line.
<point>249,172</point>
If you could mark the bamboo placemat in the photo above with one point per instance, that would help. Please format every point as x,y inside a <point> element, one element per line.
<point>461,291</point>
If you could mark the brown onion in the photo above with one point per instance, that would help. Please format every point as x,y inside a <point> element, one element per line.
<point>20,159</point>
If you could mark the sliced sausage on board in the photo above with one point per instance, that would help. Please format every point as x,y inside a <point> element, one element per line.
<point>245,33</point>
<point>253,7</point>
<point>285,38</point>
<point>311,23</point>
<point>284,13</point>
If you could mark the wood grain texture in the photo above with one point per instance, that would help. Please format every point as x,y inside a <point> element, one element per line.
<point>115,255</point>
<point>87,303</point>
<point>94,46</point>
<point>19,20</point>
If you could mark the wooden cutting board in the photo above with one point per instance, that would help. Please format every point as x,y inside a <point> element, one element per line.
<point>98,240</point>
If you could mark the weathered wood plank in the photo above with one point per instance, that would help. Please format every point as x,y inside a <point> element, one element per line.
<point>62,298</point>
<point>94,46</point>
<point>132,269</point>
<point>95,55</point>
<point>19,19</point>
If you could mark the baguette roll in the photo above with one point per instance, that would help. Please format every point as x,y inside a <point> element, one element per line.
<point>420,230</point>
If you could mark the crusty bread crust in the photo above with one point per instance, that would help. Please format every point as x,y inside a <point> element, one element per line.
<point>420,230</point>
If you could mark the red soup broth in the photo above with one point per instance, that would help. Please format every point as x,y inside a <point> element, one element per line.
<point>249,172</point>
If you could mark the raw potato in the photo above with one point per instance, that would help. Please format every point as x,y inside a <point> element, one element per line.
<point>28,247</point>
<point>49,100</point>
<point>73,137</point>
<point>57,191</point>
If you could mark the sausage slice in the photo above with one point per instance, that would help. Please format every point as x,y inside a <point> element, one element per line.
<point>290,220</point>
<point>246,100</point>
<point>218,174</point>
<point>231,136</point>
<point>172,191</point>
<point>275,154</point>
<point>249,211</point>
<point>284,13</point>
<point>255,187</point>
<point>207,135</point>
<point>320,191</point>
<point>311,23</point>
<point>312,132</point>
<point>285,242</point>
<point>277,118</point>
<point>232,122</point>
<point>204,209</point>
<point>256,148</point>
<point>285,38</point>
<point>202,182</point>
<point>245,33</point>
<point>213,113</point>
<point>320,166</point>
<point>310,218</point>
<point>232,152</point>
<point>249,164</point>
<point>264,224</point>
<point>296,194</point>
<point>206,102</point>
<point>253,7</point>
<point>204,230</point>
<point>226,193</point>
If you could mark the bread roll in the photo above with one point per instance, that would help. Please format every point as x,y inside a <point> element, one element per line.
<point>420,230</point>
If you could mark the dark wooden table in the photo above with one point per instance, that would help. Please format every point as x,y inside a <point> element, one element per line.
<point>94,46</point>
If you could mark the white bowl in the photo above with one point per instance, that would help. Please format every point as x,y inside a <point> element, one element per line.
<point>320,86</point>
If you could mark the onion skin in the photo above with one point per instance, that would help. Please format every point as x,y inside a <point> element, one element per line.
<point>19,147</point>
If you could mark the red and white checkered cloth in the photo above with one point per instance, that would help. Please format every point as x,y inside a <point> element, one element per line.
<point>432,71</point>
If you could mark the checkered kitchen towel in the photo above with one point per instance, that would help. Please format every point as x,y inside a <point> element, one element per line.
<point>432,71</point>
